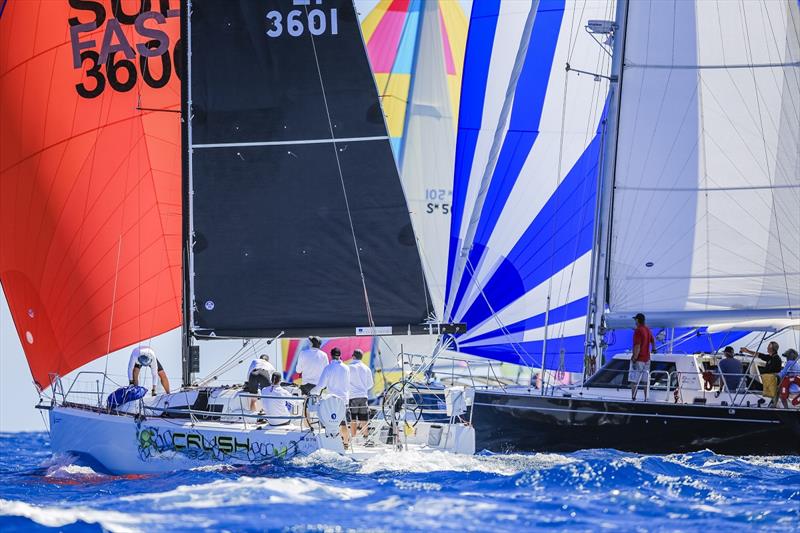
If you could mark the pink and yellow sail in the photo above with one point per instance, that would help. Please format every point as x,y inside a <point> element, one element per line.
<point>391,31</point>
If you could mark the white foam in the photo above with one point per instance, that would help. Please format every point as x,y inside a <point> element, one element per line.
<point>389,504</point>
<point>245,490</point>
<point>438,461</point>
<point>222,467</point>
<point>50,516</point>
<point>326,458</point>
<point>787,462</point>
<point>71,471</point>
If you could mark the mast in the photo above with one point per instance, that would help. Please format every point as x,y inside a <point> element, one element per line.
<point>598,286</point>
<point>186,208</point>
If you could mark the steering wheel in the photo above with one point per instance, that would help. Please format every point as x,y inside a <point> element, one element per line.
<point>401,398</point>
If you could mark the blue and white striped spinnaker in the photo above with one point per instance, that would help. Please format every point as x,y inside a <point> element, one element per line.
<point>526,167</point>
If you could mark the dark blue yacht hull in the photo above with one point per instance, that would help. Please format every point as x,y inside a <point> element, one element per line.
<point>507,421</point>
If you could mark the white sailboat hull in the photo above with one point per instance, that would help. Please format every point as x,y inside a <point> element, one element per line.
<point>123,441</point>
<point>124,444</point>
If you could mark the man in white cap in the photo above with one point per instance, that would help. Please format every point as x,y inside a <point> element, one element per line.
<point>259,375</point>
<point>145,356</point>
<point>310,364</point>
<point>335,380</point>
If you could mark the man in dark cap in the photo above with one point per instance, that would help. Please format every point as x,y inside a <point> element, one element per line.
<point>730,369</point>
<point>640,358</point>
<point>769,372</point>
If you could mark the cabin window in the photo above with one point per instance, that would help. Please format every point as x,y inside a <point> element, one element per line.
<point>660,371</point>
<point>615,375</point>
<point>612,375</point>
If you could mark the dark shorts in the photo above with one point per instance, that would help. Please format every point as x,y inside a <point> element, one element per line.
<point>158,364</point>
<point>305,388</point>
<point>257,380</point>
<point>358,409</point>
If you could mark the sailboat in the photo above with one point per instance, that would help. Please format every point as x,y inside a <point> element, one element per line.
<point>695,224</point>
<point>276,102</point>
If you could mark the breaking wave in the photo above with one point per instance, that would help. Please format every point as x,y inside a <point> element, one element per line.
<point>589,490</point>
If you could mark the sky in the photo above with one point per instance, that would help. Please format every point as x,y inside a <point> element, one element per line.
<point>18,395</point>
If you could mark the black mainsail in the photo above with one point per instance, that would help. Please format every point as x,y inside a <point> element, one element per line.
<point>297,215</point>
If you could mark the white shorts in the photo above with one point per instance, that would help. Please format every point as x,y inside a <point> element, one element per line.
<point>638,372</point>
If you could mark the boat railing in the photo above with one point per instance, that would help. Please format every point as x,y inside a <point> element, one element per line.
<point>82,391</point>
<point>457,370</point>
<point>676,385</point>
<point>92,393</point>
<point>242,415</point>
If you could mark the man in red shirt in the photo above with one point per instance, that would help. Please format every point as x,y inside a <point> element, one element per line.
<point>640,358</point>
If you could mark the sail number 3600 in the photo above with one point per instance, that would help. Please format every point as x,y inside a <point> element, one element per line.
<point>296,22</point>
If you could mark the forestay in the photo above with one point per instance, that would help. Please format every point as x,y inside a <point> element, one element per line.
<point>525,180</point>
<point>299,219</point>
<point>706,207</point>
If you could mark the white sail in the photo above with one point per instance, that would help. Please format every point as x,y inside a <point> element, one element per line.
<point>428,151</point>
<point>706,206</point>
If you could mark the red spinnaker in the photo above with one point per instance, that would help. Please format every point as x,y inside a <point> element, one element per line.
<point>90,185</point>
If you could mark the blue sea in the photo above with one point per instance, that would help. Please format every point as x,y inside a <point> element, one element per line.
<point>585,491</point>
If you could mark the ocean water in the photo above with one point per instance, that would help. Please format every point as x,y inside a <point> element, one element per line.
<point>585,491</point>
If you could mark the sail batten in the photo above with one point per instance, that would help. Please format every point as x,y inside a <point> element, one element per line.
<point>292,141</point>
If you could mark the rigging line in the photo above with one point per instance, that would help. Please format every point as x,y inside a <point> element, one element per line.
<point>748,49</point>
<point>111,319</point>
<point>791,94</point>
<point>498,139</point>
<point>595,98</point>
<point>231,363</point>
<point>733,126</point>
<point>554,225</point>
<point>425,281</point>
<point>744,103</point>
<point>573,35</point>
<point>341,179</point>
<point>528,359</point>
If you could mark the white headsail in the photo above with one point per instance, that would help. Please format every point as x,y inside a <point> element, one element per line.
<point>705,223</point>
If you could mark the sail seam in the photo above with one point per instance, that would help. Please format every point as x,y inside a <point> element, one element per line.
<point>720,66</point>
<point>709,189</point>
<point>291,142</point>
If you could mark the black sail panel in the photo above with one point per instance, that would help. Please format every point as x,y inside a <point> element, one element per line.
<point>273,241</point>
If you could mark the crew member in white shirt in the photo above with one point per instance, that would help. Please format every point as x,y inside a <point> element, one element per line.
<point>258,376</point>
<point>276,408</point>
<point>310,364</point>
<point>145,356</point>
<point>335,380</point>
<point>361,383</point>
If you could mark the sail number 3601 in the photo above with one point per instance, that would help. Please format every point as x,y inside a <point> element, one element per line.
<point>296,22</point>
